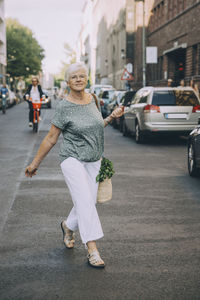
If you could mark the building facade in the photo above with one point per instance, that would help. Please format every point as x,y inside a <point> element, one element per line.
<point>113,37</point>
<point>2,43</point>
<point>103,40</point>
<point>110,41</point>
<point>173,27</point>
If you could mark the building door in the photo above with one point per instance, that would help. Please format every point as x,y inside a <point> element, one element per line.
<point>176,65</point>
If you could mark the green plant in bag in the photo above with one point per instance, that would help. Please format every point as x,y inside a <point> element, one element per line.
<point>106,170</point>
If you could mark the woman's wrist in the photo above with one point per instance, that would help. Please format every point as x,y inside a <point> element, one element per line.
<point>108,120</point>
<point>35,164</point>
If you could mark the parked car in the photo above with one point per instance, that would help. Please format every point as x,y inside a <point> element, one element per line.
<point>105,97</point>
<point>159,110</point>
<point>124,101</point>
<point>115,101</point>
<point>46,102</point>
<point>96,88</point>
<point>194,152</point>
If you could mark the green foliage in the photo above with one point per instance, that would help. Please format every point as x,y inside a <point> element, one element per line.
<point>24,54</point>
<point>57,81</point>
<point>106,170</point>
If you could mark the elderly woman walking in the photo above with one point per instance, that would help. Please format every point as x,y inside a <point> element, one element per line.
<point>82,126</point>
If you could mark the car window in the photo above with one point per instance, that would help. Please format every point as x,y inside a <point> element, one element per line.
<point>135,99</point>
<point>128,97</point>
<point>186,98</point>
<point>110,93</point>
<point>97,90</point>
<point>122,100</point>
<point>143,99</point>
<point>175,98</point>
<point>105,95</point>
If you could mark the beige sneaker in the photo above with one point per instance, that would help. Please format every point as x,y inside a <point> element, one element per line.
<point>68,236</point>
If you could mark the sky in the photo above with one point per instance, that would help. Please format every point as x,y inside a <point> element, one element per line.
<point>53,22</point>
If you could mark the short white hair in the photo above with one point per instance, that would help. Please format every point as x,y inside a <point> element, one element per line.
<point>75,67</point>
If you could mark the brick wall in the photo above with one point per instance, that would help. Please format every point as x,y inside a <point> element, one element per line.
<point>178,26</point>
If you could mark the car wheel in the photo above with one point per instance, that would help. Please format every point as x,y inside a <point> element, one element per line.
<point>139,138</point>
<point>193,170</point>
<point>124,129</point>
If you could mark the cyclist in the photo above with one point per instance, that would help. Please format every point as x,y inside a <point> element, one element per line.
<point>4,91</point>
<point>35,92</point>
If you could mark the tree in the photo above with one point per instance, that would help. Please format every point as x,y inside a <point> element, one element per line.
<point>24,54</point>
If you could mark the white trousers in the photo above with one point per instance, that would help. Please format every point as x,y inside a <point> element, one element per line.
<point>80,178</point>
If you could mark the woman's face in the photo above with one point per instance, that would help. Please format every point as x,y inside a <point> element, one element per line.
<point>78,80</point>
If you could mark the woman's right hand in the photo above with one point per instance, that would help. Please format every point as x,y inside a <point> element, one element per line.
<point>30,170</point>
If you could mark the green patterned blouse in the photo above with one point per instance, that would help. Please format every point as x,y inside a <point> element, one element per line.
<point>82,127</point>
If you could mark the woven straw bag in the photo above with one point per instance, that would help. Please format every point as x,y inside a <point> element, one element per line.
<point>104,191</point>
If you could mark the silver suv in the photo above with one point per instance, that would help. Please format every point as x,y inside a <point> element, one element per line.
<point>158,110</point>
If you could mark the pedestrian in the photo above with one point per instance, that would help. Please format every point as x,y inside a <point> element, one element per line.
<point>182,83</point>
<point>34,92</point>
<point>169,82</point>
<point>194,86</point>
<point>82,126</point>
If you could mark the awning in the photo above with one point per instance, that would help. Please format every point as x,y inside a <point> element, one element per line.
<point>181,46</point>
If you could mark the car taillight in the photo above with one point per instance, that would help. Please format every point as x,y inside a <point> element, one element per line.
<point>196,109</point>
<point>151,109</point>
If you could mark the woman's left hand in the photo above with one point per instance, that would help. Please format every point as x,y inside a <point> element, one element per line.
<point>118,112</point>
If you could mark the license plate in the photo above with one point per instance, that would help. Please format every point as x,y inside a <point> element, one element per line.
<point>176,116</point>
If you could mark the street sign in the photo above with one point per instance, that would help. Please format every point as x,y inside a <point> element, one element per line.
<point>129,67</point>
<point>126,75</point>
<point>151,55</point>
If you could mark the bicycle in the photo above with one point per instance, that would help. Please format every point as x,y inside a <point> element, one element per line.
<point>36,111</point>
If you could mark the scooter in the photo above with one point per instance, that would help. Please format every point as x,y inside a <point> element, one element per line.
<point>3,103</point>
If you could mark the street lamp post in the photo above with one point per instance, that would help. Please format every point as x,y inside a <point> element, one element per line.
<point>143,46</point>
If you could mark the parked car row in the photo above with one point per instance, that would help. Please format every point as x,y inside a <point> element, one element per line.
<point>156,111</point>
<point>161,110</point>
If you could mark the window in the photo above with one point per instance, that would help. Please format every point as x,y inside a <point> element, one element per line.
<point>170,3</point>
<point>143,99</point>
<point>140,97</point>
<point>128,97</point>
<point>176,97</point>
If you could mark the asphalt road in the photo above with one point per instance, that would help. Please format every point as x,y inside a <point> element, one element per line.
<point>152,225</point>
